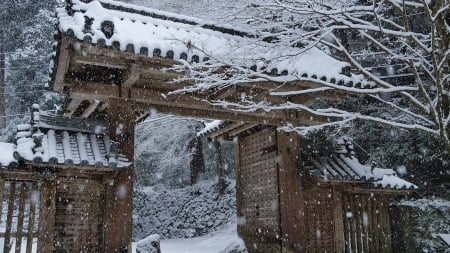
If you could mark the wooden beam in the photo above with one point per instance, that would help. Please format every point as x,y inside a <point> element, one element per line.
<point>73,105</point>
<point>189,105</point>
<point>121,122</point>
<point>92,91</point>
<point>118,212</point>
<point>91,108</point>
<point>223,132</point>
<point>383,191</point>
<point>63,64</point>
<point>131,77</point>
<point>117,57</point>
<point>47,216</point>
<point>9,217</point>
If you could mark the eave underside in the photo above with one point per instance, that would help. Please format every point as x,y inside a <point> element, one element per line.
<point>147,82</point>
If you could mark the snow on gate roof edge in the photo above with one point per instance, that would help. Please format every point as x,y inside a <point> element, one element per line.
<point>154,33</point>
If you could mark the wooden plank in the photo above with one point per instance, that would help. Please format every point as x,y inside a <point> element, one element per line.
<point>130,79</point>
<point>14,234</point>
<point>63,64</point>
<point>358,221</point>
<point>91,108</point>
<point>387,228</point>
<point>365,232</point>
<point>189,105</point>
<point>292,195</point>
<point>47,217</point>
<point>375,223</point>
<point>239,193</point>
<point>339,232</point>
<point>116,57</point>
<point>118,223</point>
<point>121,120</point>
<point>73,105</point>
<point>32,217</point>
<point>92,91</point>
<point>352,222</point>
<point>2,191</point>
<point>97,61</point>
<point>9,217</point>
<point>23,196</point>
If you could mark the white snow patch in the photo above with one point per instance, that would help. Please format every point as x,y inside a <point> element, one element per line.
<point>222,241</point>
<point>401,170</point>
<point>6,153</point>
<point>445,237</point>
<point>210,126</point>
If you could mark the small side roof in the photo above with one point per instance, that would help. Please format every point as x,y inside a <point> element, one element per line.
<point>66,141</point>
<point>341,164</point>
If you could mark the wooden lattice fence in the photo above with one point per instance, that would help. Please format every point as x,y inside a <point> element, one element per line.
<point>20,209</point>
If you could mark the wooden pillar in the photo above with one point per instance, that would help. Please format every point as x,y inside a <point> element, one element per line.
<point>292,209</point>
<point>239,194</point>
<point>63,64</point>
<point>2,90</point>
<point>47,216</point>
<point>219,166</point>
<point>197,164</point>
<point>118,212</point>
<point>121,121</point>
<point>338,220</point>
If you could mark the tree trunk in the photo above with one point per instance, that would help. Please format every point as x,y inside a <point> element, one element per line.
<point>219,167</point>
<point>197,164</point>
<point>2,90</point>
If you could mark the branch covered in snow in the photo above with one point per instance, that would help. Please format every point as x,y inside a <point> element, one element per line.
<point>393,53</point>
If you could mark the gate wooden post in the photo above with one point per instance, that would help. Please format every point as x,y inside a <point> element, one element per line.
<point>291,193</point>
<point>119,191</point>
<point>118,211</point>
<point>121,121</point>
<point>47,217</point>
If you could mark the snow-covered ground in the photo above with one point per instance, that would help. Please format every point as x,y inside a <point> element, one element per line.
<point>222,241</point>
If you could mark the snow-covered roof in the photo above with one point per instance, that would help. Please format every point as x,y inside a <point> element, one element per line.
<point>56,140</point>
<point>153,33</point>
<point>343,165</point>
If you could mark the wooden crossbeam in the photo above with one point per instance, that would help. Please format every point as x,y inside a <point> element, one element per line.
<point>147,81</point>
<point>91,108</point>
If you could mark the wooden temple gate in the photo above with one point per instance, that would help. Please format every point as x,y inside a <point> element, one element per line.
<point>105,79</point>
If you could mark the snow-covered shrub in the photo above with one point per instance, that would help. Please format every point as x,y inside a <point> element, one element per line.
<point>149,245</point>
<point>417,223</point>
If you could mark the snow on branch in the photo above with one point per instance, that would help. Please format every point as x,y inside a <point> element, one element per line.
<point>393,53</point>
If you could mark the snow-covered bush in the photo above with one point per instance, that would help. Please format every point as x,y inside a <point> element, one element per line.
<point>417,223</point>
<point>150,244</point>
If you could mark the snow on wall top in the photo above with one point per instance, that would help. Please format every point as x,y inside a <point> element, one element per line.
<point>343,165</point>
<point>6,154</point>
<point>155,33</point>
<point>56,140</point>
